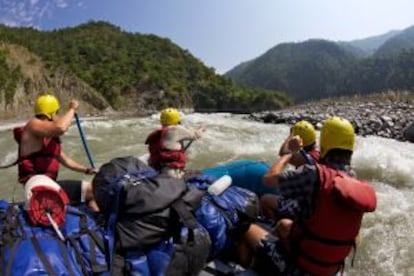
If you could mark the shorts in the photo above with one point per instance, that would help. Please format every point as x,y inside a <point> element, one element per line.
<point>75,189</point>
<point>287,208</point>
<point>271,258</point>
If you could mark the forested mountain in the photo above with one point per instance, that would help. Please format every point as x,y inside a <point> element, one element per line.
<point>131,71</point>
<point>368,46</point>
<point>398,43</point>
<point>23,75</point>
<point>318,68</point>
<point>314,67</point>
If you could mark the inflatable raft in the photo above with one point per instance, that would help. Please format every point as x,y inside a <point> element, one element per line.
<point>85,247</point>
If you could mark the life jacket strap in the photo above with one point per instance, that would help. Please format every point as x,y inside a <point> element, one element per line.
<point>310,235</point>
<point>322,263</point>
<point>306,234</point>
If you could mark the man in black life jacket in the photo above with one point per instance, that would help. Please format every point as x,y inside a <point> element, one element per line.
<point>331,204</point>
<point>40,150</point>
<point>167,146</point>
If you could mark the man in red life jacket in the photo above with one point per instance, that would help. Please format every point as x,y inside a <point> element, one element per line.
<point>302,133</point>
<point>331,204</point>
<point>168,144</point>
<point>40,150</point>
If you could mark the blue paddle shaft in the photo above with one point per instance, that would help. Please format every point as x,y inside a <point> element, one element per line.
<point>308,159</point>
<point>85,144</point>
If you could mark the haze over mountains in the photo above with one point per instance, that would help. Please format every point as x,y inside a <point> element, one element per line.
<point>319,68</point>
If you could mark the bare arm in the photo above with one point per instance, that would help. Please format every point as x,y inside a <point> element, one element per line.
<point>73,165</point>
<point>284,148</point>
<point>270,179</point>
<point>189,134</point>
<point>297,159</point>
<point>177,135</point>
<point>54,128</point>
<point>292,145</point>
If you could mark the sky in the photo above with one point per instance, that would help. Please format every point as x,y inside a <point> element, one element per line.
<point>221,33</point>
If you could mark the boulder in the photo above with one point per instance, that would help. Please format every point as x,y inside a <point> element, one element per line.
<point>409,132</point>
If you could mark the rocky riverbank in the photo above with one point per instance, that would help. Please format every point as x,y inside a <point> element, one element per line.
<point>390,118</point>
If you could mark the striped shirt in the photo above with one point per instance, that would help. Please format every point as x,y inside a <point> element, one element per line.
<point>297,190</point>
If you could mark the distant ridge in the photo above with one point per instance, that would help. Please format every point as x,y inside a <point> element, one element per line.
<point>317,68</point>
<point>371,44</point>
<point>402,41</point>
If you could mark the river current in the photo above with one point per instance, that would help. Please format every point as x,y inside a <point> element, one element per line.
<point>387,237</point>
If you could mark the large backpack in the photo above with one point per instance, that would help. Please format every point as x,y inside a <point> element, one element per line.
<point>150,214</point>
<point>31,250</point>
<point>224,216</point>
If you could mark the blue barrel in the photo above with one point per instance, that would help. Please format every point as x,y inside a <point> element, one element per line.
<point>247,174</point>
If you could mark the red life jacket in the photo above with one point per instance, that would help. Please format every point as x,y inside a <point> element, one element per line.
<point>161,157</point>
<point>314,153</point>
<point>44,161</point>
<point>321,244</point>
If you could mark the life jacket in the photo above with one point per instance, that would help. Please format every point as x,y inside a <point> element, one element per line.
<point>26,249</point>
<point>224,215</point>
<point>321,244</point>
<point>149,217</point>
<point>44,161</point>
<point>314,153</point>
<point>161,157</point>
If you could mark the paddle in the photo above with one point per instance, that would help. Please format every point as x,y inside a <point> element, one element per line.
<point>85,144</point>
<point>308,159</point>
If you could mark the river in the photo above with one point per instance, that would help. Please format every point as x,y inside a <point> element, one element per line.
<point>387,235</point>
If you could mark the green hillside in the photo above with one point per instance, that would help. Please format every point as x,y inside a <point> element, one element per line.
<point>369,45</point>
<point>310,69</point>
<point>317,69</point>
<point>135,71</point>
<point>398,43</point>
<point>23,76</point>
<point>9,78</point>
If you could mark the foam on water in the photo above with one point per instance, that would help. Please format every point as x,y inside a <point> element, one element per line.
<point>385,160</point>
<point>386,237</point>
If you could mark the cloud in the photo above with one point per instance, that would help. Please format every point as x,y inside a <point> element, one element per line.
<point>8,22</point>
<point>62,3</point>
<point>29,13</point>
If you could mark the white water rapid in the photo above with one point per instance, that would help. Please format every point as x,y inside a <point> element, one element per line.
<point>387,236</point>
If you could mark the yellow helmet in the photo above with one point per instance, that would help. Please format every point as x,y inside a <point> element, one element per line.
<point>170,116</point>
<point>337,133</point>
<point>306,131</point>
<point>46,105</point>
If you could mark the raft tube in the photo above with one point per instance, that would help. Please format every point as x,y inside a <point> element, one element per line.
<point>247,174</point>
